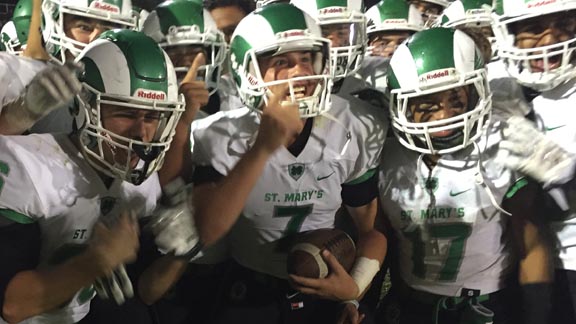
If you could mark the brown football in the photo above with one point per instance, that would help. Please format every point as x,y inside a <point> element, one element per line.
<point>305,257</point>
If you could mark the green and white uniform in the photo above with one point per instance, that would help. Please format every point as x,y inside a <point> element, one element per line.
<point>293,194</point>
<point>450,235</point>
<point>44,179</point>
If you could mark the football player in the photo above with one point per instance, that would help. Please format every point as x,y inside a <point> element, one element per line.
<point>430,9</point>
<point>68,203</point>
<point>536,42</point>
<point>284,164</point>
<point>228,13</point>
<point>441,191</point>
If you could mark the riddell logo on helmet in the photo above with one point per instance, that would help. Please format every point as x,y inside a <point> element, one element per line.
<point>104,6</point>
<point>291,33</point>
<point>534,4</point>
<point>332,10</point>
<point>395,21</point>
<point>437,75</point>
<point>478,12</point>
<point>150,94</point>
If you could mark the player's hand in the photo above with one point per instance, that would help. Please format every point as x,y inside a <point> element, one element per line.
<point>280,121</point>
<point>194,90</point>
<point>173,222</point>
<point>116,286</point>
<point>350,315</point>
<point>116,243</point>
<point>527,150</point>
<point>338,285</point>
<point>52,88</point>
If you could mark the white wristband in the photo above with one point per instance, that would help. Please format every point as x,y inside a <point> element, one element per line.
<point>363,272</point>
<point>353,302</point>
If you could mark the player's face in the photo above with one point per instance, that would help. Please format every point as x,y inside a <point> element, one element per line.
<point>227,18</point>
<point>544,31</point>
<point>385,43</point>
<point>338,34</point>
<point>439,106</point>
<point>290,65</point>
<point>183,55</point>
<point>135,124</point>
<point>85,30</point>
<point>427,9</point>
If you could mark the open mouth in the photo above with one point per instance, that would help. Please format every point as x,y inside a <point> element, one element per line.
<point>300,91</point>
<point>539,65</point>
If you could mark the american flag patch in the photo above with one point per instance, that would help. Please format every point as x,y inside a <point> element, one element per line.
<point>296,305</point>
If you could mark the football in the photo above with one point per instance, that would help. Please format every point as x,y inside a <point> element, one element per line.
<point>305,259</point>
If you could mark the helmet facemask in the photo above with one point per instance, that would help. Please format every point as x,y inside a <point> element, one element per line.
<point>348,37</point>
<point>466,127</point>
<point>55,12</point>
<point>255,90</point>
<point>192,41</point>
<point>543,67</point>
<point>114,154</point>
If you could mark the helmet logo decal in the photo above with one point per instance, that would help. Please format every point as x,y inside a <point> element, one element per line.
<point>437,76</point>
<point>395,21</point>
<point>291,33</point>
<point>150,94</point>
<point>333,10</point>
<point>540,3</point>
<point>104,6</point>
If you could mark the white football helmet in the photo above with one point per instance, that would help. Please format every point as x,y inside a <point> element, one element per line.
<point>344,17</point>
<point>9,38</point>
<point>118,12</point>
<point>517,60</point>
<point>126,69</point>
<point>276,29</point>
<point>185,23</point>
<point>432,61</point>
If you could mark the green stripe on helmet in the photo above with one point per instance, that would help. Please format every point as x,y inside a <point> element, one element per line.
<point>92,74</point>
<point>424,47</point>
<point>393,9</point>
<point>148,69</point>
<point>238,49</point>
<point>330,3</point>
<point>180,13</point>
<point>475,4</point>
<point>289,18</point>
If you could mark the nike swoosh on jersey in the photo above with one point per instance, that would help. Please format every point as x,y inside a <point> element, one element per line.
<point>553,128</point>
<point>454,194</point>
<point>322,178</point>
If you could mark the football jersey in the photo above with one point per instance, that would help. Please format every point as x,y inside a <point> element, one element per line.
<point>450,235</point>
<point>45,179</point>
<point>555,115</point>
<point>293,194</point>
<point>16,72</point>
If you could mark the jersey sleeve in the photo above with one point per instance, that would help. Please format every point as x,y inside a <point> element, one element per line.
<point>18,199</point>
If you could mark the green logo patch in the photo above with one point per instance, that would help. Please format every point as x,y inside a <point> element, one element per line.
<point>296,170</point>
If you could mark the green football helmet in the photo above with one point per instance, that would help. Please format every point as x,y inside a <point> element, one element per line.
<point>185,24</point>
<point>344,23</point>
<point>433,61</point>
<point>558,61</point>
<point>276,29</point>
<point>392,15</point>
<point>9,39</point>
<point>125,68</point>
<point>117,12</point>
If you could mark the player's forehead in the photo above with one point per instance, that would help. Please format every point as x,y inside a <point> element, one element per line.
<point>77,19</point>
<point>458,92</point>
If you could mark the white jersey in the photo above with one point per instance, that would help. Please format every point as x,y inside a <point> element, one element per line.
<point>293,194</point>
<point>46,180</point>
<point>556,116</point>
<point>16,72</point>
<point>228,92</point>
<point>450,236</point>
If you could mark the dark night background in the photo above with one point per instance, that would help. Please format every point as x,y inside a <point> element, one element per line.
<point>7,6</point>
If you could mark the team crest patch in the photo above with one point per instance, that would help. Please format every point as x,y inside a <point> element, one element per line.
<point>296,170</point>
<point>106,205</point>
<point>431,184</point>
